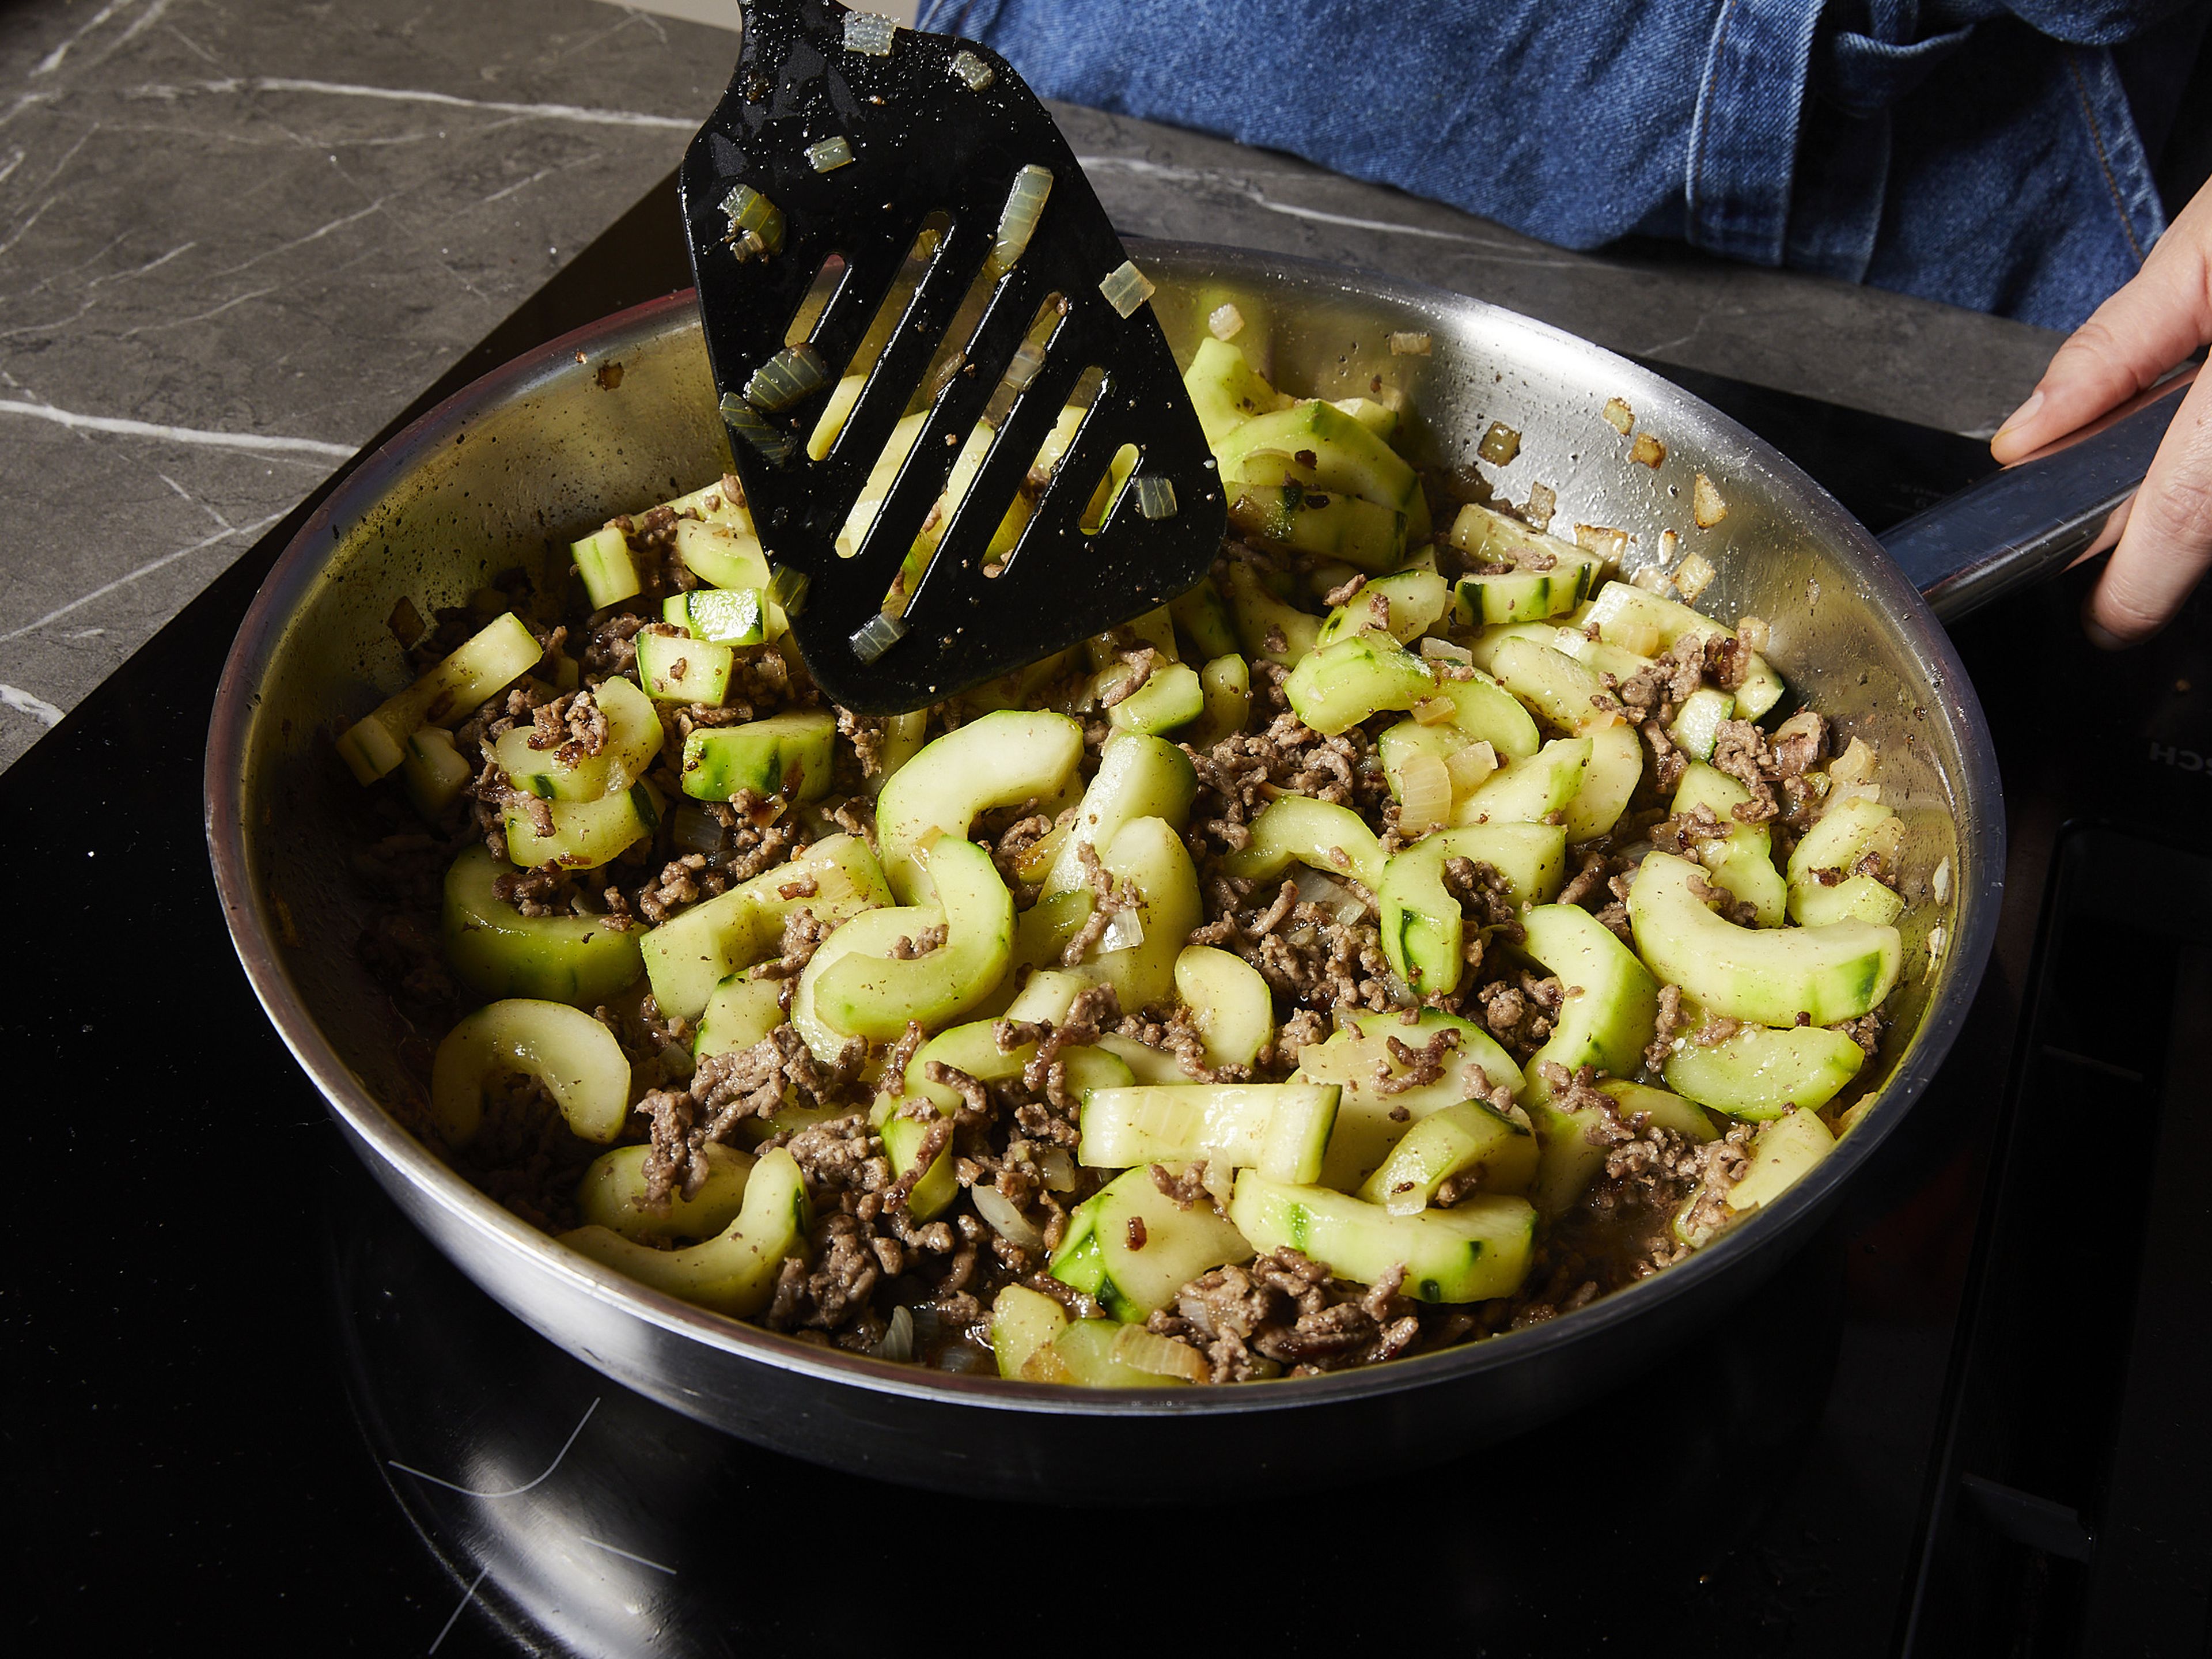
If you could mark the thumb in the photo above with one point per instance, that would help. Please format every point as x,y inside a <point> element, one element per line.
<point>2161,316</point>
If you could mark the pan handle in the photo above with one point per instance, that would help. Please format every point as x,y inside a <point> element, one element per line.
<point>2038,515</point>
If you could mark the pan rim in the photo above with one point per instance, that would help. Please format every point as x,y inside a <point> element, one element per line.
<point>1977,797</point>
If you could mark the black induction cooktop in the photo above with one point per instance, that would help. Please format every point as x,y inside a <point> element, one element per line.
<point>247,1403</point>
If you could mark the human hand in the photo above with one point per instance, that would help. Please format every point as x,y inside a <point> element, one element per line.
<point>2154,323</point>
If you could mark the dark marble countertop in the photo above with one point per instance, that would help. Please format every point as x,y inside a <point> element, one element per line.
<point>237,236</point>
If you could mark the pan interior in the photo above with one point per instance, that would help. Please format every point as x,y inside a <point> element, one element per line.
<point>509,472</point>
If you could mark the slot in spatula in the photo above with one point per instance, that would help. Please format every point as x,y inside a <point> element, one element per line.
<point>851,160</point>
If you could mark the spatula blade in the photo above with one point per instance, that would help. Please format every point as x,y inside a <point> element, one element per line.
<point>936,125</point>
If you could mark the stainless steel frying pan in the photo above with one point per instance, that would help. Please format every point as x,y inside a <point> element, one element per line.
<point>543,449</point>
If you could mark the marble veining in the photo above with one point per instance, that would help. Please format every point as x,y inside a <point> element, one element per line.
<point>237,236</point>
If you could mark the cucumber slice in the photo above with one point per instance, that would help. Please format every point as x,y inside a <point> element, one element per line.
<point>575,1057</point>
<point>585,833</point>
<point>678,668</point>
<point>1415,599</point>
<point>1743,864</point>
<point>1472,1135</point>
<point>1226,684</point>
<point>1225,390</point>
<point>875,996</point>
<point>1493,537</point>
<point>1171,696</point>
<point>603,559</point>
<point>496,951</point>
<point>1859,897</point>
<point>503,651</point>
<point>1379,420</point>
<point>1132,1249</point>
<point>733,1272</point>
<point>634,738</point>
<point>612,1195</point>
<point>742,1012</point>
<point>1338,686</point>
<point>1309,831</point>
<point>1348,459</point>
<point>1627,615</point>
<point>1202,623</point>
<point>1764,976</point>
<point>1149,1067</point>
<point>1571,1157</point>
<point>1138,777</point>
<point>1612,1002</point>
<point>1268,629</point>
<point>1281,1129</point>
<point>688,955</point>
<point>1781,1152</point>
<point>1482,650</point>
<point>1399,743</point>
<point>1523,595</point>
<point>1424,930</point>
<point>434,771</point>
<point>1229,1002</point>
<point>1370,1122</point>
<point>1697,728</point>
<point>719,502</point>
<point>1760,1072</point>
<point>722,556</point>
<point>1003,759</point>
<point>1022,1321</point>
<point>1529,791</point>
<point>1839,838</point>
<point>931,1195</point>
<point>725,616</point>
<point>1487,713</point>
<point>1084,1355</point>
<point>1362,534</point>
<point>1556,687</point>
<point>1472,1252</point>
<point>1150,856</point>
<point>1598,656</point>
<point>1616,767</point>
<point>784,755</point>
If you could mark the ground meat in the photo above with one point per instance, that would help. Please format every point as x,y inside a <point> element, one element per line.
<point>1866,1031</point>
<point>865,734</point>
<point>1421,1067</point>
<point>933,938</point>
<point>681,881</point>
<point>572,726</point>
<point>1668,761</point>
<point>1728,661</point>
<point>610,645</point>
<point>1108,899</point>
<point>1014,841</point>
<point>1285,1310</point>
<point>1655,692</point>
<point>1185,1189</point>
<point>1521,1013</point>
<point>542,891</point>
<point>1684,833</point>
<point>1668,1022</point>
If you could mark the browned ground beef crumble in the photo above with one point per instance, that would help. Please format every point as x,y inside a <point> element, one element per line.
<point>1281,1314</point>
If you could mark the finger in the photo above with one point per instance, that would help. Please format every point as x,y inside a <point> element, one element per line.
<point>2168,543</point>
<point>2133,338</point>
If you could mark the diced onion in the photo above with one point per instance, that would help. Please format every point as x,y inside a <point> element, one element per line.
<point>1445,651</point>
<point>1156,496</point>
<point>1652,579</point>
<point>1124,289</point>
<point>1500,445</point>
<point>1619,416</point>
<point>1469,766</point>
<point>1017,219</point>
<point>1224,322</point>
<point>1694,576</point>
<point>1603,541</point>
<point>1408,344</point>
<point>1754,632</point>
<point>1855,764</point>
<point>1057,1167</point>
<point>877,635</point>
<point>745,421</point>
<point>1542,499</point>
<point>1009,1222</point>
<point>1141,1350</point>
<point>1706,506</point>
<point>1935,944</point>
<point>1643,638</point>
<point>795,372</point>
<point>957,1358</point>
<point>1435,711</point>
<point>972,70</point>
<point>869,32</point>
<point>1424,795</point>
<point>694,830</point>
<point>756,223</point>
<point>1939,883</point>
<point>1647,451</point>
<point>1319,887</point>
<point>831,154</point>
<point>1124,931</point>
<point>897,1341</point>
<point>1220,1183</point>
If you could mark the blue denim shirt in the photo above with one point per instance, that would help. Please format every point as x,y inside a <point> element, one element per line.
<point>1982,153</point>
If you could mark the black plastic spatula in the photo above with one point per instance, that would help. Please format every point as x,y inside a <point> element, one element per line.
<point>869,158</point>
